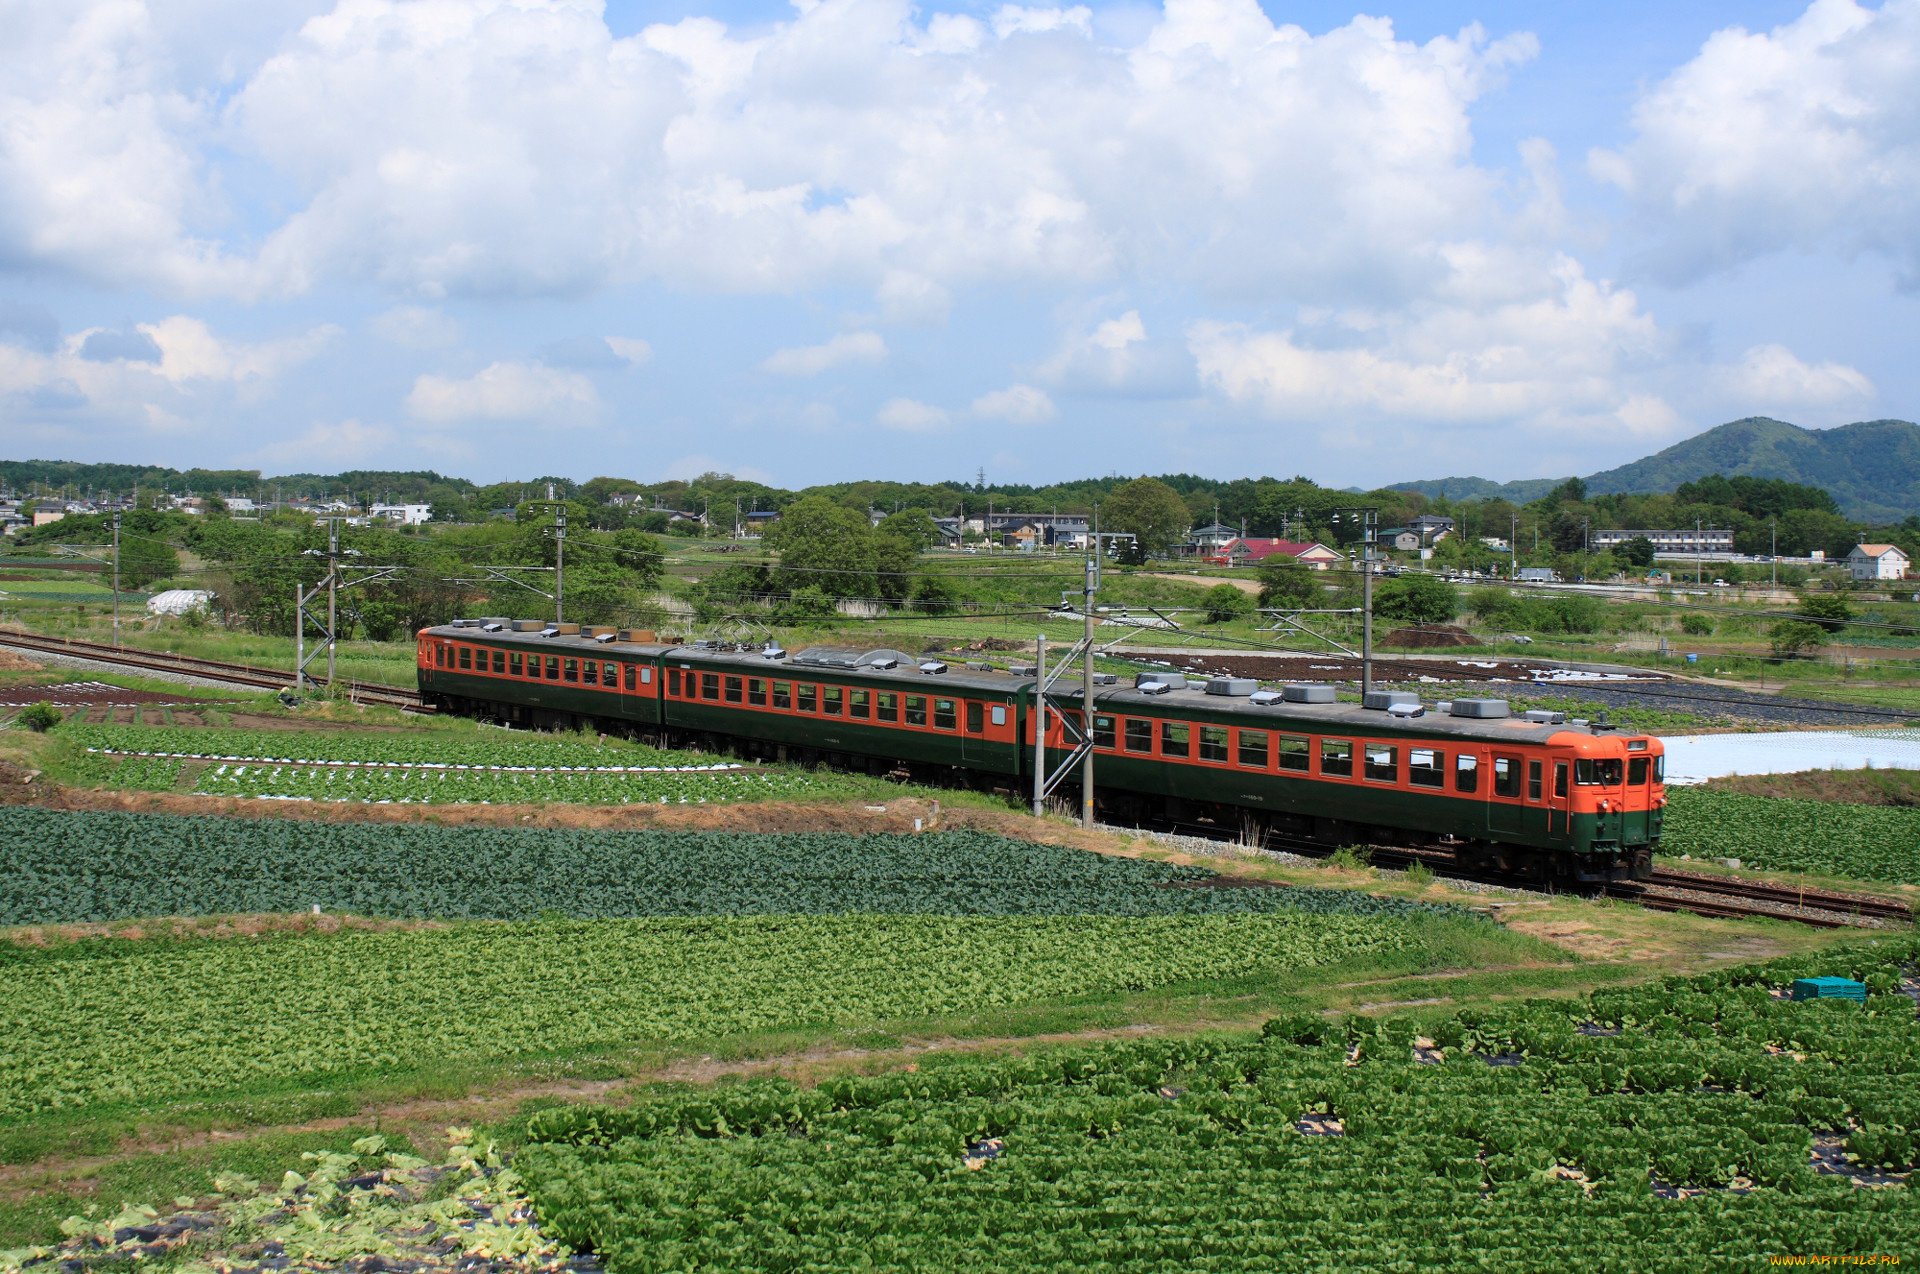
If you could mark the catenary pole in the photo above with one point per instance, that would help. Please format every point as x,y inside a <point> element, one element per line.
<point>1086,692</point>
<point>116,577</point>
<point>1040,728</point>
<point>333,594</point>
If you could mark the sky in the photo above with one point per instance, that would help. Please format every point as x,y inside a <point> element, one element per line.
<point>835,239</point>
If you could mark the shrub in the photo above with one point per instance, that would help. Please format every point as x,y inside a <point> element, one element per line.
<point>1225,602</point>
<point>1696,625</point>
<point>1416,599</point>
<point>1791,637</point>
<point>1826,610</point>
<point>39,718</point>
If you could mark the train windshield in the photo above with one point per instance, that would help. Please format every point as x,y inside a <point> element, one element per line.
<point>1604,771</point>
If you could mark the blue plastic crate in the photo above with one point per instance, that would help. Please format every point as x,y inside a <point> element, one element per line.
<point>1829,989</point>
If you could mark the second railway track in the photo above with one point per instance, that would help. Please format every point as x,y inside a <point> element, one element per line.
<point>137,660</point>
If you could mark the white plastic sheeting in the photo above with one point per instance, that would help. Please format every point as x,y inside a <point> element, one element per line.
<point>178,601</point>
<point>1699,757</point>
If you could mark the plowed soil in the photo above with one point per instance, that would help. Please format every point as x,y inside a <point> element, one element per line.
<point>73,694</point>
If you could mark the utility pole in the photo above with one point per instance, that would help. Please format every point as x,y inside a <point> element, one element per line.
<point>1513,549</point>
<point>1774,554</point>
<point>333,591</point>
<point>559,553</point>
<point>1696,552</point>
<point>1086,695</point>
<point>116,577</point>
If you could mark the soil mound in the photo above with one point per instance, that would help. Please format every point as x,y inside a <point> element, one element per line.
<point>1430,637</point>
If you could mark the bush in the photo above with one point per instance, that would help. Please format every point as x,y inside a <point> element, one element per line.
<point>1826,610</point>
<point>1287,581</point>
<point>1790,637</point>
<point>39,718</point>
<point>1696,625</point>
<point>1416,599</point>
<point>1225,602</point>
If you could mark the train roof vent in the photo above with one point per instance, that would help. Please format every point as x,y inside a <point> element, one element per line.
<point>885,663</point>
<point>1384,700</point>
<point>501,620</point>
<point>772,650</point>
<point>565,630</point>
<point>1149,687</point>
<point>1481,709</point>
<point>1299,693</point>
<point>642,635</point>
<point>1238,687</point>
<point>604,638</point>
<point>464,623</point>
<point>1171,680</point>
<point>492,626</point>
<point>1023,670</point>
<point>1265,698</point>
<point>528,625</point>
<point>1413,709</point>
<point>933,667</point>
<point>1544,716</point>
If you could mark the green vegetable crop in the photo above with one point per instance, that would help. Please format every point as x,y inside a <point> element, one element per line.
<point>1832,838</point>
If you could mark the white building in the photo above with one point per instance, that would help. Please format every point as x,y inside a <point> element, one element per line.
<point>407,514</point>
<point>1686,540</point>
<point>1877,561</point>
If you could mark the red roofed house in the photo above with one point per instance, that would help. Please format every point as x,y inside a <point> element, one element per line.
<point>1250,550</point>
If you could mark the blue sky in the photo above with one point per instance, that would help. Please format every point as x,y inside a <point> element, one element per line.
<point>854,238</point>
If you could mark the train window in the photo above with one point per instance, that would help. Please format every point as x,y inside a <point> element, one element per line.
<point>553,667</point>
<point>804,696</point>
<point>514,667</point>
<point>1213,743</point>
<point>1559,778</point>
<point>1636,745</point>
<point>1103,732</point>
<point>943,715</point>
<point>590,672</point>
<point>1296,753</point>
<point>709,685</point>
<point>572,672</point>
<point>1637,772</point>
<point>782,694</point>
<point>440,655</point>
<point>830,698</point>
<point>1660,769</point>
<point>733,689</point>
<point>1597,772</point>
<point>858,703</point>
<point>1174,738</point>
<point>1426,767</point>
<point>466,656</point>
<point>1533,780</point>
<point>916,709</point>
<point>646,676</point>
<point>886,706</point>
<point>500,661</point>
<point>976,717</point>
<point>673,681</point>
<point>1253,749</point>
<point>1466,772</point>
<point>757,692</point>
<point>631,670</point>
<point>1506,776</point>
<point>1336,757</point>
<point>1139,735</point>
<point>1000,718</point>
<point>1383,763</point>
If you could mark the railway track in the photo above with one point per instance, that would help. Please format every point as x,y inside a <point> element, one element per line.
<point>1668,890</point>
<point>135,660</point>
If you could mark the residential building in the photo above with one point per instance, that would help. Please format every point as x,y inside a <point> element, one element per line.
<point>1250,551</point>
<point>1210,541</point>
<point>407,514</point>
<point>1538,575</point>
<point>1432,526</point>
<point>240,504</point>
<point>1685,540</point>
<point>1877,561</point>
<point>42,515</point>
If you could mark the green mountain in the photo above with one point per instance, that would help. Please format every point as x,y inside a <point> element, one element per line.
<point>1872,467</point>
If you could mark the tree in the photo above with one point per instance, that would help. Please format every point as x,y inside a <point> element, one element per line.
<point>824,546</point>
<point>915,526</point>
<point>1638,551</point>
<point>1566,533</point>
<point>1286,582</point>
<point>1790,637</point>
<point>1696,625</point>
<point>1150,510</point>
<point>1828,610</point>
<point>1416,599</point>
<point>935,595</point>
<point>1226,602</point>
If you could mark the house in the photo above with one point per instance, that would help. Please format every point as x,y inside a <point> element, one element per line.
<point>1430,526</point>
<point>1877,561</point>
<point>1686,540</point>
<point>406,514</point>
<point>1495,542</point>
<point>42,515</point>
<point>240,504</point>
<point>1210,541</point>
<point>1250,551</point>
<point>1403,538</point>
<point>1538,575</point>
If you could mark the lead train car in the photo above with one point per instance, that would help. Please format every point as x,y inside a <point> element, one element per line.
<point>1546,800</point>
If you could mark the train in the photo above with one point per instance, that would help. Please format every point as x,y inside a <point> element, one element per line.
<point>1534,794</point>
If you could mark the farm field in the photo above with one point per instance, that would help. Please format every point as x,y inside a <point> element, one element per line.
<point>1656,1127</point>
<point>1770,833</point>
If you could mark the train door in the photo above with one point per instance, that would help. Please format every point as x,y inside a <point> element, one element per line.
<point>1506,811</point>
<point>1636,804</point>
<point>1558,799</point>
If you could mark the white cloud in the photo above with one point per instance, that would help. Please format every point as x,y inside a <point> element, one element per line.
<point>630,349</point>
<point>509,147</point>
<point>190,351</point>
<point>1804,136</point>
<point>911,299</point>
<point>1016,404</point>
<point>811,360</point>
<point>506,391</point>
<point>911,417</point>
<point>328,447</point>
<point>415,327</point>
<point>1118,357</point>
<point>1773,378</point>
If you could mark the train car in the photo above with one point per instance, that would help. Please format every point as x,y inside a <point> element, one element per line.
<point>1535,795</point>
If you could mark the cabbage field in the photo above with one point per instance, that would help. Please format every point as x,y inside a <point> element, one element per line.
<point>112,1022</point>
<point>503,749</point>
<point>1684,1124</point>
<point>1773,833</point>
<point>88,866</point>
